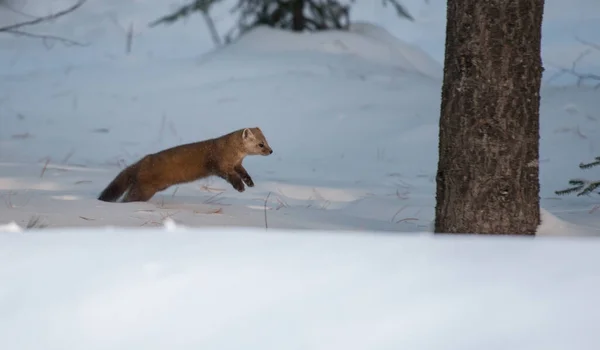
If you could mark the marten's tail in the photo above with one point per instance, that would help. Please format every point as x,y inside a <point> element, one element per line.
<point>119,185</point>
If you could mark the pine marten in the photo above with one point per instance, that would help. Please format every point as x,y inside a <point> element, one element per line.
<point>221,156</point>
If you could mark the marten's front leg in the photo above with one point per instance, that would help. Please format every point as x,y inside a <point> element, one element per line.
<point>244,175</point>
<point>234,179</point>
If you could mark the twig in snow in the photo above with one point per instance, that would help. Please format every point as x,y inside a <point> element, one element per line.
<point>16,29</point>
<point>215,211</point>
<point>266,200</point>
<point>45,167</point>
<point>21,136</point>
<point>129,35</point>
<point>8,200</point>
<point>168,215</point>
<point>398,212</point>
<point>210,199</point>
<point>579,133</point>
<point>211,189</point>
<point>34,222</point>
<point>588,44</point>
<point>403,195</point>
<point>38,20</point>
<point>82,182</point>
<point>68,156</point>
<point>161,131</point>
<point>581,77</point>
<point>174,131</point>
<point>46,38</point>
<point>309,204</point>
<point>163,218</point>
<point>406,219</point>
<point>282,204</point>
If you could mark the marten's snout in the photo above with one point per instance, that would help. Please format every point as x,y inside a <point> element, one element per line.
<point>266,149</point>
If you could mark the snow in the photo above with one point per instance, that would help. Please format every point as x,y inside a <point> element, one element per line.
<point>353,121</point>
<point>364,40</point>
<point>232,289</point>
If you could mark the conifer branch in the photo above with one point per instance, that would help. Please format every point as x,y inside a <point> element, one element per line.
<point>582,187</point>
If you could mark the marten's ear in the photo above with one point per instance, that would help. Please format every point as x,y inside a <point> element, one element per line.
<point>246,133</point>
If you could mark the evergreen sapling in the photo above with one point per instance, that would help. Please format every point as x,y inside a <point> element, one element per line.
<point>583,187</point>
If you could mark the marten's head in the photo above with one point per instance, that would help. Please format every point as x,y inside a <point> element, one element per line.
<point>255,142</point>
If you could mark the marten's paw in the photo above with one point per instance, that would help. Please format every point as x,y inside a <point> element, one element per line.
<point>239,186</point>
<point>249,181</point>
<point>236,181</point>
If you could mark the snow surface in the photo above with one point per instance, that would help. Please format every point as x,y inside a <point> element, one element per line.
<point>353,121</point>
<point>245,289</point>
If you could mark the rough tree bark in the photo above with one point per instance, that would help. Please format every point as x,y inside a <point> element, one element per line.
<point>488,175</point>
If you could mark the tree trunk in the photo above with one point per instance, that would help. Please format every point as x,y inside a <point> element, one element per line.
<point>298,15</point>
<point>488,174</point>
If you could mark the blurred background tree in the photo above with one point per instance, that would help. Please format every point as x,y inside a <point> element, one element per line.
<point>292,15</point>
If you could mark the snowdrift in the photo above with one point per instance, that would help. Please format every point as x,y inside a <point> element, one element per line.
<point>365,40</point>
<point>232,289</point>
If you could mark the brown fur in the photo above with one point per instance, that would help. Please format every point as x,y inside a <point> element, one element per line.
<point>221,156</point>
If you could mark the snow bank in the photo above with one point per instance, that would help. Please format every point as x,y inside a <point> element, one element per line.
<point>551,225</point>
<point>10,227</point>
<point>233,289</point>
<point>365,40</point>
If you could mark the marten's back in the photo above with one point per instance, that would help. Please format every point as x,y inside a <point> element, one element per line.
<point>189,162</point>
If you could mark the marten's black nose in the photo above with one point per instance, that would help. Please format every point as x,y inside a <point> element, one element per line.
<point>270,151</point>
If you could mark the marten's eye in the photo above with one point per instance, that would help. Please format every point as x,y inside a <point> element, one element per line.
<point>261,145</point>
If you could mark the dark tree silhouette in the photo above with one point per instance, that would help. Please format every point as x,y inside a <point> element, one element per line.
<point>202,6</point>
<point>293,15</point>
<point>488,170</point>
